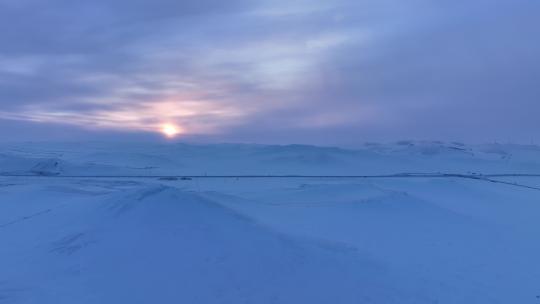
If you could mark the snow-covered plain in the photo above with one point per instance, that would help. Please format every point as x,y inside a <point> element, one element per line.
<point>95,223</point>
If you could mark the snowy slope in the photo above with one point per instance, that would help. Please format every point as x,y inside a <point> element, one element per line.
<point>267,240</point>
<point>155,243</point>
<point>453,241</point>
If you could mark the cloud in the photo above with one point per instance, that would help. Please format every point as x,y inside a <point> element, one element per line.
<point>241,70</point>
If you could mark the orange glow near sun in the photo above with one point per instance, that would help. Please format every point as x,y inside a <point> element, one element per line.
<point>170,130</point>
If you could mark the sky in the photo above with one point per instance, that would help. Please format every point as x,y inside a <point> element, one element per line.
<point>338,72</point>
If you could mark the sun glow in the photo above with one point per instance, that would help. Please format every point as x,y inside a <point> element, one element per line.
<point>170,130</point>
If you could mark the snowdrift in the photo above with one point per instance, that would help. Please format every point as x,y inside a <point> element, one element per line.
<point>158,244</point>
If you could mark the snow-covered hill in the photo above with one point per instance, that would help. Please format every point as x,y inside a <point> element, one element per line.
<point>239,159</point>
<point>86,238</point>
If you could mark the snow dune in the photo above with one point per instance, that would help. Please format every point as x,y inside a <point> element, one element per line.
<point>156,244</point>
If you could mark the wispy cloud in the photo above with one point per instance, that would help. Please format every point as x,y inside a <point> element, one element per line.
<point>378,69</point>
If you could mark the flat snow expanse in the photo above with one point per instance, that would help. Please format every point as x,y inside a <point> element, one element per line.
<point>95,223</point>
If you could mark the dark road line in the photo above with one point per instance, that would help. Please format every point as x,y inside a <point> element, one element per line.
<point>398,175</point>
<point>479,177</point>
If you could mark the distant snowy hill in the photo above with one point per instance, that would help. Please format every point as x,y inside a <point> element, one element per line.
<point>239,159</point>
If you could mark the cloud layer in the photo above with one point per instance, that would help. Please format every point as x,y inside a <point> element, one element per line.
<point>333,72</point>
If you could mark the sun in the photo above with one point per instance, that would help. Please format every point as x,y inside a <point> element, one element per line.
<point>170,130</point>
